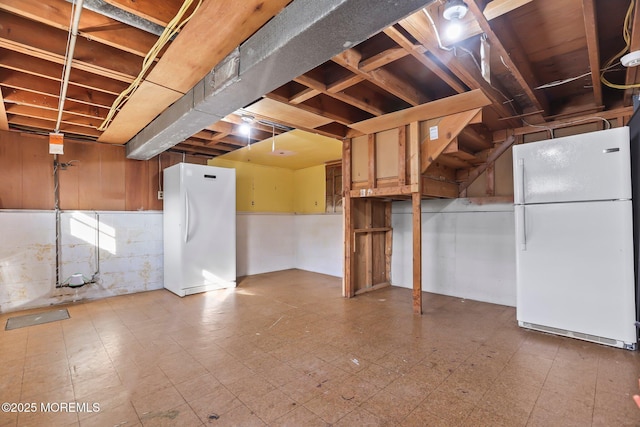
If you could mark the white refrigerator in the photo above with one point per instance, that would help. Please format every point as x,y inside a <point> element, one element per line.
<point>574,237</point>
<point>199,224</point>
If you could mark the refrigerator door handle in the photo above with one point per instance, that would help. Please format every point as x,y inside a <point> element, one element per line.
<point>522,227</point>
<point>186,215</point>
<point>520,197</point>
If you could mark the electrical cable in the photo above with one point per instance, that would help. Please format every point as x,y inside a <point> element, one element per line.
<point>173,27</point>
<point>626,34</point>
<point>435,30</point>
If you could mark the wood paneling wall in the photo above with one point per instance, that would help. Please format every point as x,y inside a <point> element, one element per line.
<point>100,176</point>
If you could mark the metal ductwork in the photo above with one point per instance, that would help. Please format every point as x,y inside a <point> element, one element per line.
<point>304,35</point>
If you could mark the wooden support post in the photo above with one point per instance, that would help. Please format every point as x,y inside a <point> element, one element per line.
<point>417,252</point>
<point>416,198</point>
<point>372,160</point>
<point>347,216</point>
<point>490,185</point>
<point>388,242</point>
<point>402,156</point>
<point>368,245</point>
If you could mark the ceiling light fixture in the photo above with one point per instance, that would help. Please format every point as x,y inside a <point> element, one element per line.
<point>631,59</point>
<point>454,11</point>
<point>245,126</point>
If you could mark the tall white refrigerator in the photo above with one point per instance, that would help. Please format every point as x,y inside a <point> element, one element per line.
<point>199,223</point>
<point>574,237</point>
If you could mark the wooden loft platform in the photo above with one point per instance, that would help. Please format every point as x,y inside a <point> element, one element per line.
<point>434,150</point>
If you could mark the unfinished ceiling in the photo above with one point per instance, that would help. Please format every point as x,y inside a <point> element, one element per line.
<point>541,53</point>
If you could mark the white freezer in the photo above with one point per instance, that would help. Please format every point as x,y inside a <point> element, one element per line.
<point>199,225</point>
<point>591,166</point>
<point>574,268</point>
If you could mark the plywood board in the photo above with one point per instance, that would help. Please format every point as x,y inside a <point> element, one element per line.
<point>10,171</point>
<point>143,106</point>
<point>387,154</point>
<point>359,159</point>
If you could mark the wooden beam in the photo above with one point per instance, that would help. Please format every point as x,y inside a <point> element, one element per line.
<point>23,97</point>
<point>381,59</point>
<point>4,123</point>
<point>439,188</point>
<point>537,99</point>
<point>441,107</point>
<point>419,53</point>
<point>93,26</point>
<point>371,142</point>
<point>52,115</point>
<point>405,190</point>
<point>52,70</point>
<point>350,59</point>
<point>303,95</point>
<point>591,29</point>
<point>17,80</point>
<point>446,130</point>
<point>348,276</point>
<point>416,205</point>
<point>632,72</point>
<point>494,9</point>
<point>160,13</point>
<point>625,112</point>
<point>461,66</point>
<point>497,152</point>
<point>29,37</point>
<point>359,102</point>
<point>402,155</point>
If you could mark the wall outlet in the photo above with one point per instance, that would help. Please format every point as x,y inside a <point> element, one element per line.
<point>160,195</point>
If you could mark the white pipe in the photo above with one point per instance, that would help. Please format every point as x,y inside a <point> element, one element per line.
<point>68,60</point>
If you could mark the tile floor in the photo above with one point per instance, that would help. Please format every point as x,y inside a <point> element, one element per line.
<point>285,349</point>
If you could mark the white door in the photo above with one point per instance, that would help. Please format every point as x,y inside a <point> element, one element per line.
<point>574,264</point>
<point>591,166</point>
<point>209,233</point>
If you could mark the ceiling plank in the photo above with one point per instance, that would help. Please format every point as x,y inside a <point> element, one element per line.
<point>201,45</point>
<point>439,108</point>
<point>57,13</point>
<point>49,125</point>
<point>537,99</point>
<point>32,99</point>
<point>50,70</point>
<point>350,59</point>
<point>52,115</point>
<point>591,28</point>
<point>159,12</point>
<point>29,37</point>
<point>138,111</point>
<point>16,80</point>
<point>196,50</point>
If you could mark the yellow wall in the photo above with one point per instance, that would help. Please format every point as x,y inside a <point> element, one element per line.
<point>309,190</point>
<point>270,189</point>
<point>260,188</point>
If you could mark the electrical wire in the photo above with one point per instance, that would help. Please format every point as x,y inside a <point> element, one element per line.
<point>626,34</point>
<point>435,30</point>
<point>173,27</point>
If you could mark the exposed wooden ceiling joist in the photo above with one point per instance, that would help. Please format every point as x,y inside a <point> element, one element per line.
<point>591,28</point>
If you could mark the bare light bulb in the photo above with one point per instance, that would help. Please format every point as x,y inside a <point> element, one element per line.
<point>454,30</point>
<point>245,128</point>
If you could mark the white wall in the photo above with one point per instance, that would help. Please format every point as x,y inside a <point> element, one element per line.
<point>319,243</point>
<point>265,242</point>
<point>130,255</point>
<point>467,250</point>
